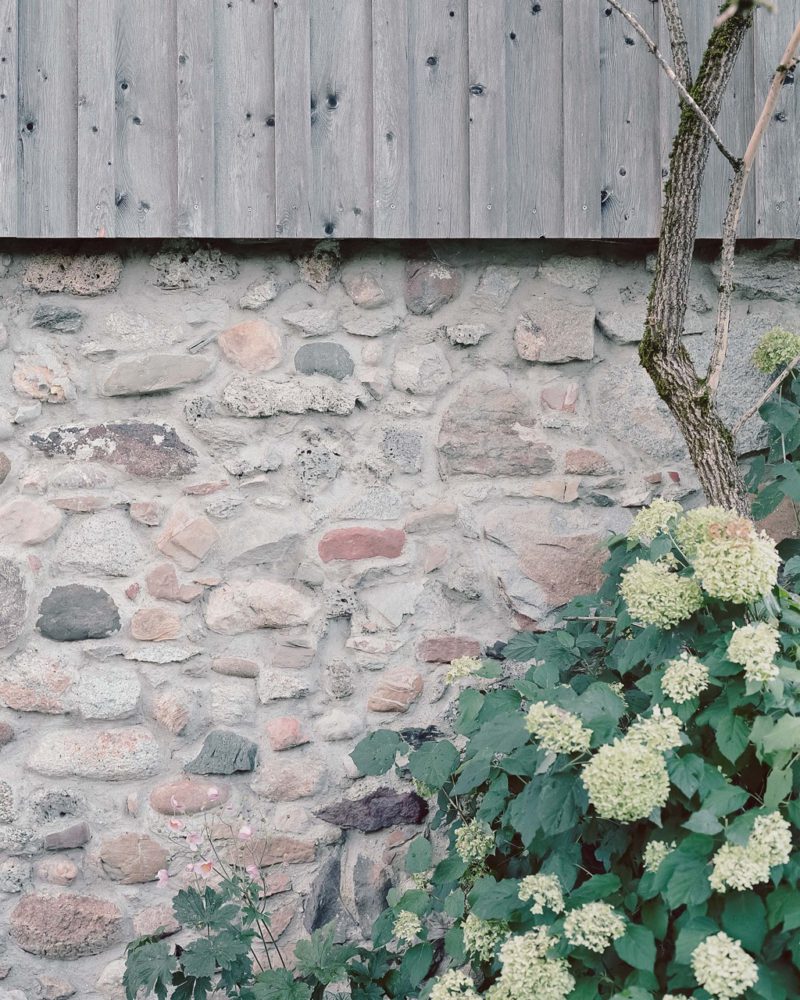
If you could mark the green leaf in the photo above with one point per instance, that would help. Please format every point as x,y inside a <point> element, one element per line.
<point>597,887</point>
<point>691,934</point>
<point>149,966</point>
<point>779,787</point>
<point>523,813</point>
<point>686,773</point>
<point>637,947</point>
<point>703,821</point>
<point>197,959</point>
<point>560,804</point>
<point>522,647</point>
<point>434,762</point>
<point>745,919</point>
<point>470,703</point>
<point>418,856</point>
<point>783,907</point>
<point>785,735</point>
<point>501,734</point>
<point>472,775</point>
<point>279,984</point>
<point>208,908</point>
<point>416,963</point>
<point>321,958</point>
<point>454,945</point>
<point>491,900</point>
<point>376,753</point>
<point>732,736</point>
<point>454,904</point>
<point>682,879</point>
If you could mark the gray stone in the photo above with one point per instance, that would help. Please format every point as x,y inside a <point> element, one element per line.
<point>324,358</point>
<point>375,325</point>
<point>193,268</point>
<point>378,810</point>
<point>75,611</point>
<point>7,811</point>
<point>581,273</point>
<point>261,397</point>
<point>554,332</point>
<point>324,901</point>
<point>111,693</point>
<point>626,326</point>
<point>155,373</point>
<point>5,467</point>
<point>209,313</point>
<point>58,318</point>
<point>423,371</point>
<point>467,334</point>
<point>496,286</point>
<point>313,322</point>
<point>259,294</point>
<point>319,267</point>
<point>102,754</point>
<point>315,467</point>
<point>14,876</point>
<point>429,286</point>
<point>403,448</point>
<point>376,503</point>
<point>147,450</point>
<point>277,685</point>
<point>69,838</point>
<point>771,273</point>
<point>13,601</point>
<point>372,881</point>
<point>224,752</point>
<point>79,274</point>
<point>101,545</point>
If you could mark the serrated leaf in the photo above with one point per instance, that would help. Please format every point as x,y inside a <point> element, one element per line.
<point>416,962</point>
<point>376,753</point>
<point>785,735</point>
<point>732,735</point>
<point>149,966</point>
<point>637,947</point>
<point>491,900</point>
<point>597,887</point>
<point>434,762</point>
<point>279,984</point>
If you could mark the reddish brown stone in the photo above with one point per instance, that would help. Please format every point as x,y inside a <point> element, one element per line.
<point>396,691</point>
<point>155,625</point>
<point>585,462</point>
<point>361,543</point>
<point>285,732</point>
<point>132,858</point>
<point>162,583</point>
<point>81,504</point>
<point>146,512</point>
<point>132,591</point>
<point>783,523</point>
<point>65,840</point>
<point>188,795</point>
<point>235,666</point>
<point>64,926</point>
<point>562,396</point>
<point>253,345</point>
<point>445,648</point>
<point>205,489</point>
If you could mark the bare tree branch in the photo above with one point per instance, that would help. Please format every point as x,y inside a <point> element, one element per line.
<point>685,95</point>
<point>677,41</point>
<point>733,212</point>
<point>773,386</point>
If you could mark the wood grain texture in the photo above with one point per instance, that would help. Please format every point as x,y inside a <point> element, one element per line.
<point>292,26</point>
<point>535,119</point>
<point>630,144</point>
<point>96,210</point>
<point>48,83</point>
<point>581,119</point>
<point>146,113</point>
<point>777,180</point>
<point>195,139</point>
<point>438,100</point>
<point>9,141</point>
<point>390,119</point>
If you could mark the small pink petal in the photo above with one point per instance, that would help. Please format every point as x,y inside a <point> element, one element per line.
<point>245,833</point>
<point>203,868</point>
<point>213,794</point>
<point>253,871</point>
<point>175,824</point>
<point>163,876</point>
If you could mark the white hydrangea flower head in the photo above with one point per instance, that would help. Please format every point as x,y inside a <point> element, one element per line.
<point>662,731</point>
<point>692,529</point>
<point>653,519</point>
<point>736,563</point>
<point>772,835</point>
<point>453,985</point>
<point>462,666</point>
<point>684,678</point>
<point>556,729</point>
<point>474,842</point>
<point>407,926</point>
<point>626,781</point>
<point>655,852</point>
<point>777,347</point>
<point>593,926</point>
<point>482,937</point>
<point>543,891</point>
<point>722,967</point>
<point>739,867</point>
<point>527,973</point>
<point>754,647</point>
<point>656,595</point>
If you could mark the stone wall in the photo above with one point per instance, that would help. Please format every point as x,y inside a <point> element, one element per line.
<point>253,501</point>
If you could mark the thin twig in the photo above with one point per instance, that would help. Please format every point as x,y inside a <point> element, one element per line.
<point>677,41</point>
<point>733,212</point>
<point>685,95</point>
<point>775,385</point>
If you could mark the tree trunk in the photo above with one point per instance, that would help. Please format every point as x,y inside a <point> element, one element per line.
<point>662,352</point>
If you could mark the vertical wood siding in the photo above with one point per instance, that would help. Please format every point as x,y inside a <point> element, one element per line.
<point>359,118</point>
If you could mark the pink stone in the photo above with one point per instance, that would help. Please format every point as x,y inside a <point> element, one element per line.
<point>235,666</point>
<point>396,691</point>
<point>361,543</point>
<point>132,591</point>
<point>28,522</point>
<point>81,504</point>
<point>57,871</point>
<point>162,583</point>
<point>434,556</point>
<point>132,858</point>
<point>285,732</point>
<point>205,489</point>
<point>146,512</point>
<point>445,648</point>
<point>287,782</point>
<point>585,462</point>
<point>155,625</point>
<point>253,345</point>
<point>169,710</point>
<point>281,850</point>
<point>187,538</point>
<point>154,920</point>
<point>561,396</point>
<point>188,796</point>
<point>64,926</point>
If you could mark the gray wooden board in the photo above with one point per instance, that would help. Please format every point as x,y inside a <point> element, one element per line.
<point>96,211</point>
<point>8,117</point>
<point>195,139</point>
<point>341,117</point>
<point>390,119</point>
<point>48,77</point>
<point>438,84</point>
<point>581,119</point>
<point>292,70</point>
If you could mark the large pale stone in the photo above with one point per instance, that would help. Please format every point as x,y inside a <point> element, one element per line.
<point>101,545</point>
<point>423,371</point>
<point>243,605</point>
<point>100,754</point>
<point>64,926</point>
<point>555,332</point>
<point>132,858</point>
<point>260,397</point>
<point>28,522</point>
<point>83,274</point>
<point>155,625</point>
<point>396,691</point>
<point>253,345</point>
<point>488,431</point>
<point>188,795</point>
<point>36,681</point>
<point>155,373</point>
<point>430,285</point>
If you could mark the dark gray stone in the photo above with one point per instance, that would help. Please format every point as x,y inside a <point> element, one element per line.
<point>324,901</point>
<point>429,286</point>
<point>224,753</point>
<point>5,466</point>
<point>64,840</point>
<point>324,358</point>
<point>371,884</point>
<point>377,811</point>
<point>75,612</point>
<point>150,451</point>
<point>415,736</point>
<point>13,601</point>
<point>59,319</point>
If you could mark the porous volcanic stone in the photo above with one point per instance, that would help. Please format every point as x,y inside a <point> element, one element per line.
<point>379,810</point>
<point>92,274</point>
<point>132,858</point>
<point>64,926</point>
<point>155,373</point>
<point>324,358</point>
<point>150,451</point>
<point>58,318</point>
<point>224,753</point>
<point>75,612</point>
<point>259,397</point>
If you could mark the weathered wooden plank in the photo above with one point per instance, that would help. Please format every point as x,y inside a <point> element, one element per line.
<point>535,119</point>
<point>390,119</point>
<point>341,117</point>
<point>244,118</point>
<point>292,33</point>
<point>581,119</point>
<point>438,98</point>
<point>48,79</point>
<point>96,211</point>
<point>777,179</point>
<point>8,117</point>
<point>146,113</point>
<point>630,146</point>
<point>195,139</point>
<point>488,187</point>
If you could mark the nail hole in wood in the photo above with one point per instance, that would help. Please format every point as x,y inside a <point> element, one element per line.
<point>432,61</point>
